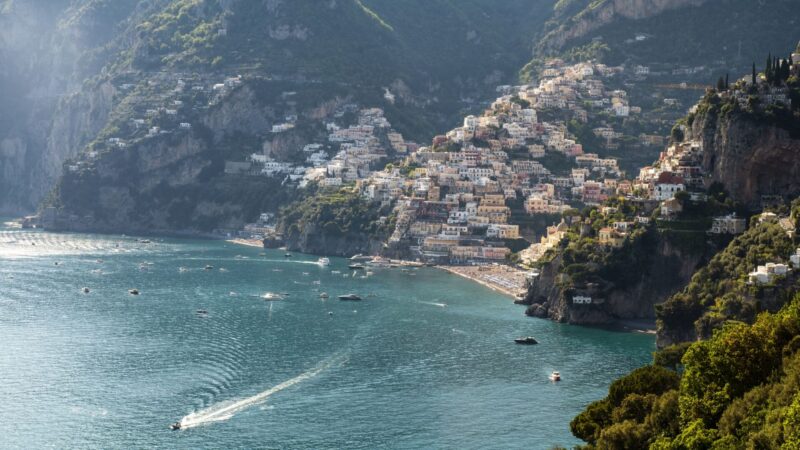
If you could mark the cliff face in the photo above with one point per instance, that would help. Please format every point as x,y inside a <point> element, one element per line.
<point>170,182</point>
<point>669,269</point>
<point>598,15</point>
<point>750,158</point>
<point>315,240</point>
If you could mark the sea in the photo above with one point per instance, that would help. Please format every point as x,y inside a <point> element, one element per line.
<point>426,360</point>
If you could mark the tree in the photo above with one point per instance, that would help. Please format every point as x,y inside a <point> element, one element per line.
<point>768,68</point>
<point>720,84</point>
<point>727,83</point>
<point>754,74</point>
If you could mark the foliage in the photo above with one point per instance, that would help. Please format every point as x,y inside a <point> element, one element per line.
<point>739,389</point>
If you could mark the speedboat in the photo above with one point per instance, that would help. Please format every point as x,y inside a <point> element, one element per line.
<point>324,262</point>
<point>323,295</point>
<point>202,312</point>
<point>555,376</point>
<point>271,296</point>
<point>209,267</point>
<point>86,290</point>
<point>350,297</point>
<point>133,292</point>
<point>356,266</point>
<point>175,426</point>
<point>287,255</point>
<point>528,340</point>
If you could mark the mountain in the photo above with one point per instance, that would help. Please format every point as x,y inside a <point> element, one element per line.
<point>436,58</point>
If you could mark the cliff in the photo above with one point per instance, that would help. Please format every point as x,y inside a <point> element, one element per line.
<point>750,155</point>
<point>597,14</point>
<point>654,279</point>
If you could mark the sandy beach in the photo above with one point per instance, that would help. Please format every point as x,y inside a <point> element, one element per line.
<point>503,279</point>
<point>248,242</point>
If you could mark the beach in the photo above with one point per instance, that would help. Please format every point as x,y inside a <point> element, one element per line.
<point>248,242</point>
<point>504,279</point>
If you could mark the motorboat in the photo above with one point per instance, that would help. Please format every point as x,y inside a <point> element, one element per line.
<point>324,262</point>
<point>350,297</point>
<point>209,267</point>
<point>86,290</point>
<point>323,295</point>
<point>287,255</point>
<point>175,426</point>
<point>360,257</point>
<point>202,312</point>
<point>271,296</point>
<point>133,291</point>
<point>555,376</point>
<point>356,266</point>
<point>527,340</point>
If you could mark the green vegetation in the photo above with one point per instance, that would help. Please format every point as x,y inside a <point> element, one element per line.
<point>738,390</point>
<point>719,291</point>
<point>334,213</point>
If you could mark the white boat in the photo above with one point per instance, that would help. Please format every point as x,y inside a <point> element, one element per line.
<point>555,376</point>
<point>271,296</point>
<point>324,262</point>
<point>323,295</point>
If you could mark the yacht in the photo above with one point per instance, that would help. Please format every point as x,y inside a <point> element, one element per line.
<point>271,296</point>
<point>350,297</point>
<point>324,262</point>
<point>555,376</point>
<point>356,266</point>
<point>528,340</point>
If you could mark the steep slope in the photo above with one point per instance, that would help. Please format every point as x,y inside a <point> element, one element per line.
<point>436,58</point>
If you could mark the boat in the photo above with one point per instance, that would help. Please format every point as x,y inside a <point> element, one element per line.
<point>175,426</point>
<point>182,269</point>
<point>271,296</point>
<point>350,297</point>
<point>323,295</point>
<point>209,267</point>
<point>287,255</point>
<point>86,290</point>
<point>527,340</point>
<point>133,291</point>
<point>555,376</point>
<point>356,266</point>
<point>324,262</point>
<point>360,257</point>
<point>202,311</point>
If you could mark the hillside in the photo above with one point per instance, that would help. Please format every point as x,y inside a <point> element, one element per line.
<point>739,389</point>
<point>433,60</point>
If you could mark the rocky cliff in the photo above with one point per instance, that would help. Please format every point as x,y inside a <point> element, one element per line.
<point>750,156</point>
<point>600,13</point>
<point>552,295</point>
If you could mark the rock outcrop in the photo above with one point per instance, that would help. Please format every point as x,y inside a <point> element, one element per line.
<point>599,14</point>
<point>552,296</point>
<point>750,157</point>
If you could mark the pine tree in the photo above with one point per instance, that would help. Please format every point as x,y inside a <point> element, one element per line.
<point>720,84</point>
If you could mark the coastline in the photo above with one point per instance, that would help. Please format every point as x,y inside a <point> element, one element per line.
<point>247,242</point>
<point>504,279</point>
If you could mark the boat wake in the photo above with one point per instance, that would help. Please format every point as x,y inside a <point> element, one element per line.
<point>224,411</point>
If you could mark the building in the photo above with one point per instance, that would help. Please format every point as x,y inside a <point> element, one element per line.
<point>728,225</point>
<point>611,237</point>
<point>667,185</point>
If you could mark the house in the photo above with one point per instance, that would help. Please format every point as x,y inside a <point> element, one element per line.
<point>502,231</point>
<point>611,237</point>
<point>667,185</point>
<point>728,225</point>
<point>671,208</point>
<point>766,273</point>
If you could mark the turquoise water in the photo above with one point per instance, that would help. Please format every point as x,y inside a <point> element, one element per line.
<point>398,370</point>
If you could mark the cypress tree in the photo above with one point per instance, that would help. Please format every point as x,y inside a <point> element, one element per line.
<point>754,73</point>
<point>720,84</point>
<point>768,68</point>
<point>727,83</point>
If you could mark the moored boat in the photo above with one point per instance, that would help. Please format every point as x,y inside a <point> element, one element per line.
<point>350,297</point>
<point>555,376</point>
<point>527,340</point>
